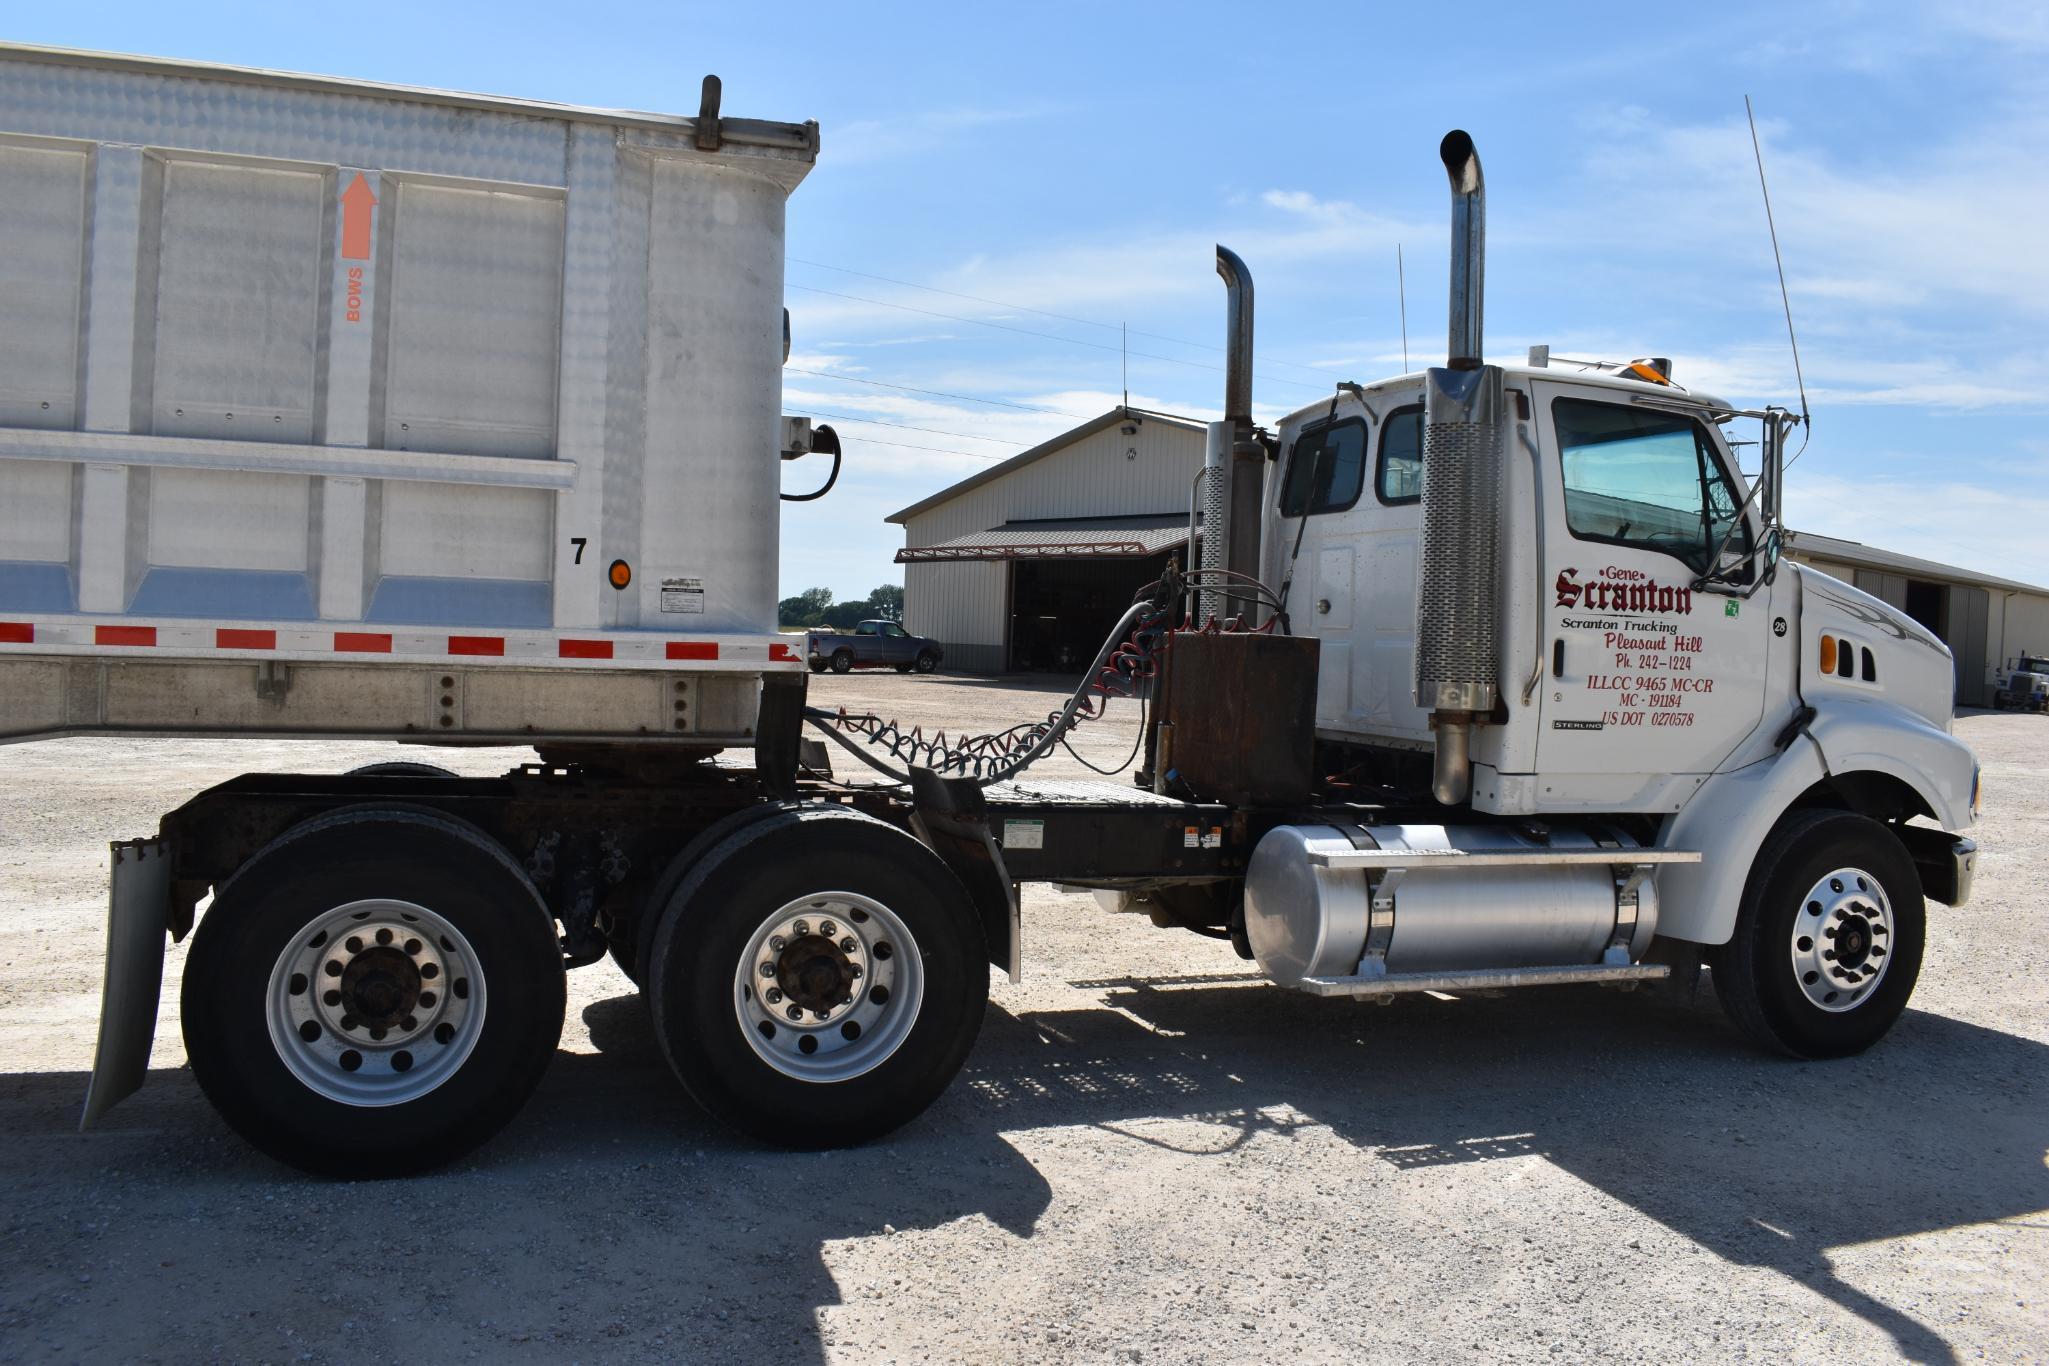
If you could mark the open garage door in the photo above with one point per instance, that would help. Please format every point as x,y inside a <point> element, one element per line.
<point>1060,610</point>
<point>1070,578</point>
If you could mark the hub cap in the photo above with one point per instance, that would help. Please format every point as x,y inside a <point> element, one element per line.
<point>1842,939</point>
<point>375,1003</point>
<point>828,987</point>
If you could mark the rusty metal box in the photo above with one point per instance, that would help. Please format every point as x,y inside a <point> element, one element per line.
<point>1242,708</point>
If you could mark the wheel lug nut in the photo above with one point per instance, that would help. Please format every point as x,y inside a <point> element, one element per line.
<point>768,969</point>
<point>795,1012</point>
<point>801,928</point>
<point>776,942</point>
<point>409,1023</point>
<point>847,944</point>
<point>854,970</point>
<point>828,929</point>
<point>773,995</point>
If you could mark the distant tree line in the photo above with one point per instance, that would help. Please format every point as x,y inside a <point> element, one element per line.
<point>814,609</point>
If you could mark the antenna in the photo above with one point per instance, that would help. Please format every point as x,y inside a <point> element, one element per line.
<point>1124,351</point>
<point>1806,420</point>
<point>1401,284</point>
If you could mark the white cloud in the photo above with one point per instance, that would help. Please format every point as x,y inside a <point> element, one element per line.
<point>1992,530</point>
<point>870,140</point>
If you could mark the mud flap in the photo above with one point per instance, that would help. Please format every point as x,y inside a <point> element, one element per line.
<point>138,918</point>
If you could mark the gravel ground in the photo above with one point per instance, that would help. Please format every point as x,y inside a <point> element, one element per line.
<point>1150,1157</point>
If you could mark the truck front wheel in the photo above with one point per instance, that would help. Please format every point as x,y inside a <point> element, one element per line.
<point>818,978</point>
<point>1828,942</point>
<point>373,994</point>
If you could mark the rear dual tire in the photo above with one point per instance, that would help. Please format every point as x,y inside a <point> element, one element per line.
<point>374,994</point>
<point>887,1002</point>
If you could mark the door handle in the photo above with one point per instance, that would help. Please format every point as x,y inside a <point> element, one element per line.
<point>1558,658</point>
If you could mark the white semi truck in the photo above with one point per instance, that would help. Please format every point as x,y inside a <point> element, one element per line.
<point>340,410</point>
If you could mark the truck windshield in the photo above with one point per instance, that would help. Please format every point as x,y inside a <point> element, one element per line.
<point>1636,477</point>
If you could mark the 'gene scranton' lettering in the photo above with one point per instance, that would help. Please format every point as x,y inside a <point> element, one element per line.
<point>1640,594</point>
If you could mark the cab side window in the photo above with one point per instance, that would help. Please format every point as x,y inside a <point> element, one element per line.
<point>1643,478</point>
<point>1401,457</point>
<point>1326,470</point>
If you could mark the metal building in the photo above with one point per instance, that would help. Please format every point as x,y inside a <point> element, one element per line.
<point>1985,621</point>
<point>1025,565</point>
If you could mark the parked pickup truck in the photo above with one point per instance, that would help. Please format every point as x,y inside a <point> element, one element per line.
<point>873,645</point>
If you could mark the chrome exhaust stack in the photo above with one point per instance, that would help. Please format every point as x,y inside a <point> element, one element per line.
<point>1458,582</point>
<point>1234,463</point>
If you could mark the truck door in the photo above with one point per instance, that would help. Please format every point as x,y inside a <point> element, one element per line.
<point>896,643</point>
<point>1645,675</point>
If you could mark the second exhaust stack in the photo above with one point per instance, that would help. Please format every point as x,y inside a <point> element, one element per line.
<point>1458,583</point>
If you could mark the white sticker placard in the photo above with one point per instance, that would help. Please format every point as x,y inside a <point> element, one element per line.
<point>1024,834</point>
<point>683,595</point>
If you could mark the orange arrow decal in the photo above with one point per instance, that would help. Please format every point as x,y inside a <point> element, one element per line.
<point>359,203</point>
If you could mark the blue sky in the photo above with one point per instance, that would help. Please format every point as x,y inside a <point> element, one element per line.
<point>1081,160</point>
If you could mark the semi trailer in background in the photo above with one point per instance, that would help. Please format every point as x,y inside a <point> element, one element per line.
<point>330,409</point>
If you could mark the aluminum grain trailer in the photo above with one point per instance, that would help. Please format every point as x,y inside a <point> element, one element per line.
<point>336,409</point>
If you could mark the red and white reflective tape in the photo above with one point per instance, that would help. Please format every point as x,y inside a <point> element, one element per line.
<point>188,638</point>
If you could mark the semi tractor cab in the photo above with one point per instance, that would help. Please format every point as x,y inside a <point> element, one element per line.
<point>1490,676</point>
<point>1547,594</point>
<point>2023,683</point>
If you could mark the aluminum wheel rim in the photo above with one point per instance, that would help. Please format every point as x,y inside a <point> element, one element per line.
<point>1842,940</point>
<point>829,987</point>
<point>375,1003</point>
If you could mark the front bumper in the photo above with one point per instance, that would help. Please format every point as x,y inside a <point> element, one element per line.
<point>1947,863</point>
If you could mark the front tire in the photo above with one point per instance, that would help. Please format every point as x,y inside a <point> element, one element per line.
<point>927,662</point>
<point>1829,938</point>
<point>374,994</point>
<point>843,662</point>
<point>852,925</point>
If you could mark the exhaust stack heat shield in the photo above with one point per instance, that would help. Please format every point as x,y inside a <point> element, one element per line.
<point>1458,650</point>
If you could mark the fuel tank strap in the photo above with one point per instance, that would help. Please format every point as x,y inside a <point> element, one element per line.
<point>1375,859</point>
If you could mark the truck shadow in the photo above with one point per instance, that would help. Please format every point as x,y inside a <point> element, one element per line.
<point>614,1218</point>
<point>1762,1161</point>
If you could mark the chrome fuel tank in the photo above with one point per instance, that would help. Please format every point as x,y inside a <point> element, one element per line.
<point>1440,913</point>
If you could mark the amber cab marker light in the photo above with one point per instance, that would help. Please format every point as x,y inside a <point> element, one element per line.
<point>1828,654</point>
<point>620,574</point>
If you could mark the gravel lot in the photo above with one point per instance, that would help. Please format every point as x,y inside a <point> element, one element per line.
<point>1150,1157</point>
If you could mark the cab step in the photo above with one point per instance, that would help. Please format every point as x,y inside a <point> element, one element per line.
<point>1486,979</point>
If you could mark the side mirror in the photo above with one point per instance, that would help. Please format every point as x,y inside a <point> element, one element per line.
<point>1773,544</point>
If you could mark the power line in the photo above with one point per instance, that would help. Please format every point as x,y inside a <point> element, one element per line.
<point>1043,336</point>
<point>936,450</point>
<point>1043,313</point>
<point>900,426</point>
<point>934,393</point>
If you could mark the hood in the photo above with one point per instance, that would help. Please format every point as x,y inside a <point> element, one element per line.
<point>1890,654</point>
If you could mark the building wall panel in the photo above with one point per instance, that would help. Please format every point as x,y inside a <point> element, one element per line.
<point>966,604</point>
